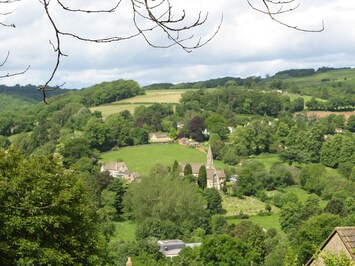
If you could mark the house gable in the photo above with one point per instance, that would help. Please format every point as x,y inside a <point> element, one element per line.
<point>342,239</point>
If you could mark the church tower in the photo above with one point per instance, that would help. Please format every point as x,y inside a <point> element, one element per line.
<point>209,163</point>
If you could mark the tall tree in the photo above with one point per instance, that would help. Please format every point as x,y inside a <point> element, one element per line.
<point>164,198</point>
<point>214,200</point>
<point>46,216</point>
<point>187,170</point>
<point>202,177</point>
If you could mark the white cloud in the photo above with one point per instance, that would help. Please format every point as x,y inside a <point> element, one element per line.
<point>249,43</point>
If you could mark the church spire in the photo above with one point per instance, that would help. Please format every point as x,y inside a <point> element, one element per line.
<point>209,163</point>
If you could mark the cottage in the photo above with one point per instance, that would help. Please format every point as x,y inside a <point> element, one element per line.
<point>159,137</point>
<point>342,239</point>
<point>119,170</point>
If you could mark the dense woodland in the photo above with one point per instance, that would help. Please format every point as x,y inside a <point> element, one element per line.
<point>58,209</point>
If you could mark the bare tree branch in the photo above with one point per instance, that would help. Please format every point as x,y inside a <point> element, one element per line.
<point>113,9</point>
<point>148,16</point>
<point>164,21</point>
<point>11,74</point>
<point>280,9</point>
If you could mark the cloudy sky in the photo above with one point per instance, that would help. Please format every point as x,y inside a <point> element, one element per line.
<point>248,43</point>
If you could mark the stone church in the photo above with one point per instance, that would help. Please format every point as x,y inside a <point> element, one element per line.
<point>215,178</point>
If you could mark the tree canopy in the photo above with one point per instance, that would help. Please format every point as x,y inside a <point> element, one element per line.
<point>46,214</point>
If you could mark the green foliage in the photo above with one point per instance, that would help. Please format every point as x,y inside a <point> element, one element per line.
<point>10,102</point>
<point>187,170</point>
<point>336,259</point>
<point>175,171</point>
<point>252,234</point>
<point>159,170</point>
<point>289,216</point>
<point>311,177</point>
<point>97,134</point>
<point>251,178</point>
<point>312,233</point>
<point>24,94</point>
<point>202,177</point>
<point>152,116</point>
<point>139,136</point>
<point>119,189</point>
<point>4,142</point>
<point>46,215</point>
<point>279,176</point>
<point>335,206</point>
<point>164,198</point>
<point>156,228</point>
<point>142,252</point>
<point>216,123</point>
<point>74,149</point>
<point>218,224</point>
<point>330,151</point>
<point>297,72</point>
<point>214,200</point>
<point>226,250</point>
<point>351,123</point>
<point>280,200</point>
<point>310,208</point>
<point>230,154</point>
<point>107,92</point>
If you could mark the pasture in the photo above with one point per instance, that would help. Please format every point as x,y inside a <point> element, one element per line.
<point>266,222</point>
<point>346,76</point>
<point>142,158</point>
<point>110,109</point>
<point>150,97</point>
<point>157,96</point>
<point>321,114</point>
<point>267,159</point>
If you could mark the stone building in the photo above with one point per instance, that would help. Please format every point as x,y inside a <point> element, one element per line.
<point>215,178</point>
<point>342,239</point>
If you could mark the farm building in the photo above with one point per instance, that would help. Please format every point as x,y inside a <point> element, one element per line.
<point>159,137</point>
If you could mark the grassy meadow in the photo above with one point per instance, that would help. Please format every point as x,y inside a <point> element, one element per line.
<point>142,158</point>
<point>157,96</point>
<point>267,159</point>
<point>346,76</point>
<point>266,222</point>
<point>124,231</point>
<point>109,109</point>
<point>150,97</point>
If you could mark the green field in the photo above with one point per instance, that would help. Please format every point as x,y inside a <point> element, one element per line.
<point>157,96</point>
<point>142,158</point>
<point>346,76</point>
<point>110,109</point>
<point>150,97</point>
<point>266,222</point>
<point>267,159</point>
<point>124,231</point>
